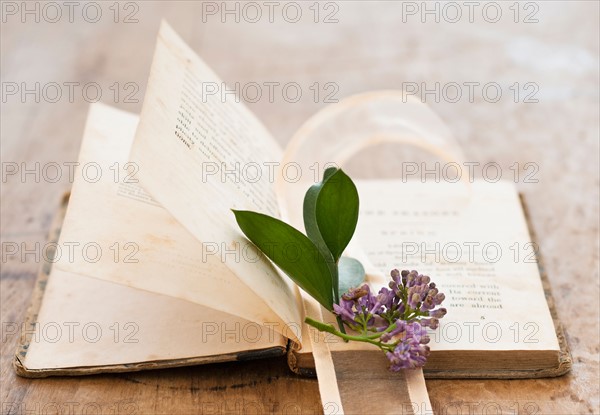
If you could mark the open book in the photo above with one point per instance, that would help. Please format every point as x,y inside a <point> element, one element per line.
<point>150,269</point>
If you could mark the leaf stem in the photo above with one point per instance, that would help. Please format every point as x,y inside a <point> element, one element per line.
<point>340,324</point>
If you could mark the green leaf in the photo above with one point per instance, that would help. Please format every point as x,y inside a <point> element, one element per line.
<point>312,228</point>
<point>335,211</point>
<point>310,209</point>
<point>295,254</point>
<point>351,272</point>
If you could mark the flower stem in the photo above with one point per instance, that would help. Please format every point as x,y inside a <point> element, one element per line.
<point>381,333</point>
<point>328,328</point>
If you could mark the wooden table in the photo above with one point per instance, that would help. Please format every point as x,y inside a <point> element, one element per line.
<point>553,125</point>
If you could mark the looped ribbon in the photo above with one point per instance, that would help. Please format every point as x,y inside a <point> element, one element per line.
<point>340,131</point>
<point>332,137</point>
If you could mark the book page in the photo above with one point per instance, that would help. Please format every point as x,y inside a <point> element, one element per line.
<point>105,324</point>
<point>474,244</point>
<point>117,232</point>
<point>200,156</point>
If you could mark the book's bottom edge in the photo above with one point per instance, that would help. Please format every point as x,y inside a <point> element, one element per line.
<point>497,374</point>
<point>459,374</point>
<point>303,364</point>
<point>23,371</point>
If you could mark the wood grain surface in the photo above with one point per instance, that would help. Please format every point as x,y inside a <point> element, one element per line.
<point>372,45</point>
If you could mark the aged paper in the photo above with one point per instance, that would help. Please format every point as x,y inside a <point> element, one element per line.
<point>115,231</point>
<point>475,245</point>
<point>199,156</point>
<point>87,322</point>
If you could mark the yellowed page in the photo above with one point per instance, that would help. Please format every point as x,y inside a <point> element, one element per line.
<point>475,245</point>
<point>103,323</point>
<point>115,231</point>
<point>183,136</point>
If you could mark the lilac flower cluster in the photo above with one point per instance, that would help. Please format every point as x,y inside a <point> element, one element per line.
<point>396,319</point>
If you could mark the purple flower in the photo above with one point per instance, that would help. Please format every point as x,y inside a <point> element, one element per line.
<point>344,311</point>
<point>386,298</point>
<point>401,315</point>
<point>411,351</point>
<point>400,327</point>
<point>358,307</point>
<point>439,313</point>
<point>355,293</point>
<point>432,323</point>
